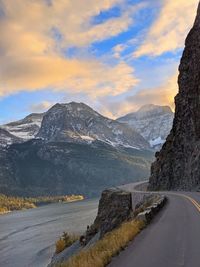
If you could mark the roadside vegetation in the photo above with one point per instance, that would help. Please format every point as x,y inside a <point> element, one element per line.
<point>65,241</point>
<point>8,203</point>
<point>101,253</point>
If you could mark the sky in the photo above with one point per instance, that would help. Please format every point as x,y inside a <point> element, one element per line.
<point>114,55</point>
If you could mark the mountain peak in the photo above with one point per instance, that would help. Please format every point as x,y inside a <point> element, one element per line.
<point>151,110</point>
<point>147,111</point>
<point>152,107</point>
<point>77,122</point>
<point>72,106</point>
<point>153,122</point>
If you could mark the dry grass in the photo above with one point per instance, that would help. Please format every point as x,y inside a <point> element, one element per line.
<point>65,241</point>
<point>110,245</point>
<point>60,246</point>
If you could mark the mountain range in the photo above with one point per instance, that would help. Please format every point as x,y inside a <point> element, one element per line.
<point>72,149</point>
<point>77,122</point>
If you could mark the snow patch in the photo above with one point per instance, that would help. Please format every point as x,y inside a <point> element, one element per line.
<point>87,138</point>
<point>157,141</point>
<point>134,147</point>
<point>23,135</point>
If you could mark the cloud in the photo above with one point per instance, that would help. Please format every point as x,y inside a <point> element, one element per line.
<point>34,35</point>
<point>163,95</point>
<point>118,49</point>
<point>40,107</point>
<point>169,30</point>
<point>89,76</point>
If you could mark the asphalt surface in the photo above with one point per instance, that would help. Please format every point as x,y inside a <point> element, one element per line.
<point>171,240</point>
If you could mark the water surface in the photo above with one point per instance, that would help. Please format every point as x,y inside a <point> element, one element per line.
<point>27,238</point>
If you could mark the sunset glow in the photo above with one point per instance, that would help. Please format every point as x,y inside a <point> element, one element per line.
<point>114,55</point>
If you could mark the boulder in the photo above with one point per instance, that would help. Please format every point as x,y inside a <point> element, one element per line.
<point>115,207</point>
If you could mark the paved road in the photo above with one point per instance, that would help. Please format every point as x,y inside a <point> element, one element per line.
<point>171,240</point>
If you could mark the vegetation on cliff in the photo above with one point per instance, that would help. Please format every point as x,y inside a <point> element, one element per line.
<point>100,254</point>
<point>65,241</point>
<point>8,203</point>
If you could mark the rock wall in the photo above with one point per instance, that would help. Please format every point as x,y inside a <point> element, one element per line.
<point>115,207</point>
<point>177,165</point>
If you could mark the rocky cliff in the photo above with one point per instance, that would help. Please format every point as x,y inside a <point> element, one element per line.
<point>115,207</point>
<point>177,165</point>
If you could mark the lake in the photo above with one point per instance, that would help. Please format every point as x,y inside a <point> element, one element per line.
<point>27,238</point>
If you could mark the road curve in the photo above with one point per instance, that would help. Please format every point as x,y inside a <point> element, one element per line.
<point>171,240</point>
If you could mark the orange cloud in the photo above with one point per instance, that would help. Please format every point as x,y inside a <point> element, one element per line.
<point>169,30</point>
<point>41,107</point>
<point>163,95</point>
<point>90,76</point>
<point>33,34</point>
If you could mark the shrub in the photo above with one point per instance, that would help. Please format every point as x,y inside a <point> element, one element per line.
<point>60,246</point>
<point>69,238</point>
<point>65,241</point>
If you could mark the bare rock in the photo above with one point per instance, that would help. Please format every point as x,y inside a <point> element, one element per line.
<point>115,207</point>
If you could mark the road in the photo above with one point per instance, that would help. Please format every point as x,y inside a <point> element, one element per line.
<point>171,240</point>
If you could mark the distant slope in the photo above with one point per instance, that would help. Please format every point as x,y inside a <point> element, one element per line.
<point>152,122</point>
<point>26,128</point>
<point>38,168</point>
<point>6,138</point>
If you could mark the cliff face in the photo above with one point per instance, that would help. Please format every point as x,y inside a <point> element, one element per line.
<point>177,165</point>
<point>115,207</point>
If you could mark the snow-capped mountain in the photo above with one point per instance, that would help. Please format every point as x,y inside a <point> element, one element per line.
<point>77,122</point>
<point>152,122</point>
<point>26,128</point>
<point>76,151</point>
